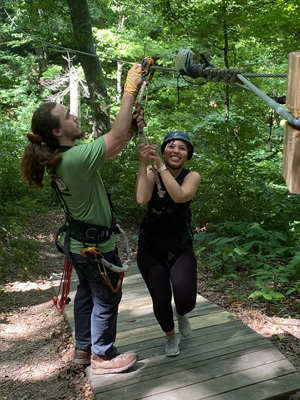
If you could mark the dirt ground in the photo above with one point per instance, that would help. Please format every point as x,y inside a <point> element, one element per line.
<point>37,345</point>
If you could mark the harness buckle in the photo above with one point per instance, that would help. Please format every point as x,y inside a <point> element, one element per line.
<point>97,234</point>
<point>156,211</point>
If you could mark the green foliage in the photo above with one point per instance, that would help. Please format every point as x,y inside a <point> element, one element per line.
<point>252,221</point>
<point>18,256</point>
<point>271,257</point>
<point>21,255</point>
<point>119,177</point>
<point>12,145</point>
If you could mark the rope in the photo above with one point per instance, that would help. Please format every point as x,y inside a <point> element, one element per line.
<point>154,67</point>
<point>254,75</point>
<point>227,75</point>
<point>127,248</point>
<point>235,76</point>
<point>195,71</point>
<point>64,288</point>
<point>144,140</point>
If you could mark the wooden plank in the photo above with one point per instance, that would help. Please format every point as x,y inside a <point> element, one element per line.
<point>203,380</point>
<point>145,301</point>
<point>217,342</point>
<point>141,334</point>
<point>264,378</point>
<point>102,384</point>
<point>291,158</point>
<point>280,388</point>
<point>135,303</point>
<point>291,146</point>
<point>223,357</point>
<point>202,336</point>
<point>141,317</point>
<point>157,366</point>
<point>293,84</point>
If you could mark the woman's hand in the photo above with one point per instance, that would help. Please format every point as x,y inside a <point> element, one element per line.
<point>154,156</point>
<point>144,153</point>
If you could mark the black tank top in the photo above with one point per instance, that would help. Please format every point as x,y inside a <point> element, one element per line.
<point>158,226</point>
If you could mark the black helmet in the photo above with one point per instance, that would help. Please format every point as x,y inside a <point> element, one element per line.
<point>177,134</point>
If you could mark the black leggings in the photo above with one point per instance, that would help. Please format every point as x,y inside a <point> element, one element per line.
<point>181,275</point>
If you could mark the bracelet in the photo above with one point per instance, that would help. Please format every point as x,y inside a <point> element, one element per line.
<point>161,169</point>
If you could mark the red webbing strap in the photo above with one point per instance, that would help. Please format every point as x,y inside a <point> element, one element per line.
<point>64,287</point>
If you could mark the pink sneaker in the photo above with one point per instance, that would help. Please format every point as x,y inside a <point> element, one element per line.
<point>118,363</point>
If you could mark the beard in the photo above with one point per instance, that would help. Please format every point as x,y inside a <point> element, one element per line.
<point>80,134</point>
<point>75,134</point>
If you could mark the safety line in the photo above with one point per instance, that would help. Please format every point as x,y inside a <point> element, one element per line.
<point>155,67</point>
<point>78,51</point>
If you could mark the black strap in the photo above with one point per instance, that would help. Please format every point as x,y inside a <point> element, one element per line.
<point>64,148</point>
<point>83,232</point>
<point>165,205</point>
<point>61,199</point>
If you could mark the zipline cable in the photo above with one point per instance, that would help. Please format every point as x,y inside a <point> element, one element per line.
<point>194,71</point>
<point>229,76</point>
<point>154,67</point>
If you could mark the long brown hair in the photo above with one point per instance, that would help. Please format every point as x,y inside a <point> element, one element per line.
<point>42,151</point>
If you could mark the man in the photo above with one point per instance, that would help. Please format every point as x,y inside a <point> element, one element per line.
<point>75,171</point>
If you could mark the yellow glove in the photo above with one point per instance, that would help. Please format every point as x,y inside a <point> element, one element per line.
<point>134,80</point>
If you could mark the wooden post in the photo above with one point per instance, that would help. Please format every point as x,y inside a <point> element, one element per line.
<point>291,145</point>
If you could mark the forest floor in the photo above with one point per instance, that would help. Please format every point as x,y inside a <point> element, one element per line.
<point>36,341</point>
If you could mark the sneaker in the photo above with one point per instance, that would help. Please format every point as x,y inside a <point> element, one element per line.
<point>112,365</point>
<point>184,326</point>
<point>172,346</point>
<point>82,357</point>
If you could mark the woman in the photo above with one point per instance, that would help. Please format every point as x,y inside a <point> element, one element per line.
<point>165,256</point>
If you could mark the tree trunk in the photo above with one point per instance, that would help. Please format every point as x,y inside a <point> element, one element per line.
<point>120,65</point>
<point>226,49</point>
<point>83,37</point>
<point>74,93</point>
<point>43,53</point>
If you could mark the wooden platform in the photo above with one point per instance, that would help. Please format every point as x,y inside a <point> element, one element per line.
<point>222,360</point>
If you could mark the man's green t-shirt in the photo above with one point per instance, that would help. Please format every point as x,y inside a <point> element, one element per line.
<point>83,190</point>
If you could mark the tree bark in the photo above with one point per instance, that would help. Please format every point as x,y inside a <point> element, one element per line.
<point>84,42</point>
<point>43,53</point>
<point>226,49</point>
<point>120,65</point>
<point>74,93</point>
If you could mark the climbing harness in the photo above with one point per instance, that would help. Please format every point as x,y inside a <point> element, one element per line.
<point>159,207</point>
<point>84,233</point>
<point>95,256</point>
<point>80,231</point>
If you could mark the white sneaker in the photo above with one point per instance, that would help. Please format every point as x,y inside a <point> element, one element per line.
<point>183,323</point>
<point>172,346</point>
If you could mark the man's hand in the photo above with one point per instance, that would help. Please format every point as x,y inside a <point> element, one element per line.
<point>134,80</point>
<point>138,122</point>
